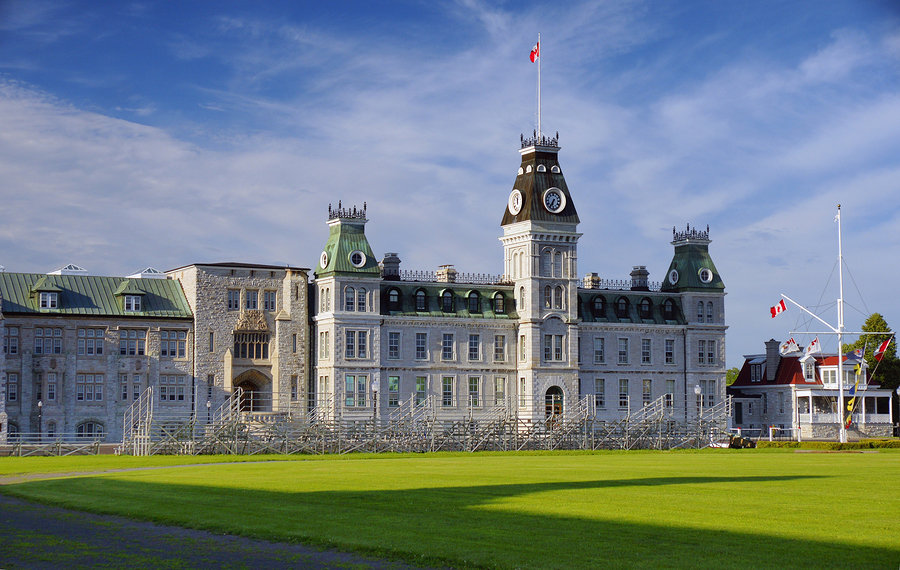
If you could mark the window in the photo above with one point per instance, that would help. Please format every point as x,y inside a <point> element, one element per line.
<point>421,387</point>
<point>499,390</point>
<point>645,351</point>
<point>499,348</point>
<point>474,347</point>
<point>447,302</point>
<point>393,391</point>
<point>499,303</point>
<point>622,308</point>
<point>357,344</point>
<point>394,300</point>
<point>49,300</point>
<point>131,303</point>
<point>137,386</point>
<point>251,300</point>
<point>701,351</point>
<point>646,392</point>
<point>350,299</point>
<point>171,388</point>
<point>474,383</point>
<point>755,372</point>
<point>269,301</point>
<point>421,346</point>
<point>234,299</point>
<point>699,311</point>
<point>212,341</point>
<point>553,347</point>
<point>12,387</point>
<point>47,341</point>
<point>645,308</point>
<point>11,341</point>
<point>809,370</point>
<point>548,297</point>
<point>38,386</point>
<point>51,429</point>
<point>89,387</point>
<point>51,386</point>
<point>89,430</point>
<point>90,341</point>
<point>132,342</point>
<point>324,344</point>
<point>172,344</point>
<point>710,352</point>
<point>361,300</point>
<point>294,343</point>
<point>670,351</point>
<point>447,346</point>
<point>123,382</point>
<point>546,259</point>
<point>420,300</point>
<point>599,350</point>
<point>394,345</point>
<point>557,264</point>
<point>522,392</point>
<point>709,312</point>
<point>447,391</point>
<point>355,390</point>
<point>558,297</point>
<point>709,392</point>
<point>780,402</point>
<point>599,393</point>
<point>669,310</point>
<point>251,345</point>
<point>670,393</point>
<point>598,306</point>
<point>295,387</point>
<point>623,351</point>
<point>522,352</point>
<point>474,302</point>
<point>623,393</point>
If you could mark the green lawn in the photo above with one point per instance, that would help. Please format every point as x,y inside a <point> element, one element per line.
<point>717,508</point>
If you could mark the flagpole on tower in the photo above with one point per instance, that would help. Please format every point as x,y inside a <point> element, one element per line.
<point>539,85</point>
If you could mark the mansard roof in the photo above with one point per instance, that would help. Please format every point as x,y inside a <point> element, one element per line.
<point>790,371</point>
<point>460,291</point>
<point>92,295</point>
<point>588,314</point>
<point>539,172</point>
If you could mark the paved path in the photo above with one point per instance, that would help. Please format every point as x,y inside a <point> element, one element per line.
<point>39,536</point>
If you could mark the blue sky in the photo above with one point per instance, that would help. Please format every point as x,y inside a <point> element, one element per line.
<point>163,134</point>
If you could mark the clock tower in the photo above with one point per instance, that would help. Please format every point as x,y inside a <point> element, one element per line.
<point>540,258</point>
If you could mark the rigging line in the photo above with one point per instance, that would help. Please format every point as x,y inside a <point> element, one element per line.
<point>858,292</point>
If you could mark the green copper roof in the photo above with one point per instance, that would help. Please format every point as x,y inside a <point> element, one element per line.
<point>92,295</point>
<point>600,305</point>
<point>692,269</point>
<point>347,250</point>
<point>484,294</point>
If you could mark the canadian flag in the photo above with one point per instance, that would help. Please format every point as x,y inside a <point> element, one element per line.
<point>790,346</point>
<point>535,52</point>
<point>814,346</point>
<point>879,352</point>
<point>778,309</point>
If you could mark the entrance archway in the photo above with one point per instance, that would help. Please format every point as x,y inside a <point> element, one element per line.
<point>553,402</point>
<point>254,397</point>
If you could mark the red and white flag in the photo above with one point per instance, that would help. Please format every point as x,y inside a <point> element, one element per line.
<point>535,52</point>
<point>879,352</point>
<point>790,346</point>
<point>778,309</point>
<point>814,346</point>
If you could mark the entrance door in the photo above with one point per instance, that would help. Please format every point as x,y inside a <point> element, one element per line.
<point>250,398</point>
<point>738,413</point>
<point>553,402</point>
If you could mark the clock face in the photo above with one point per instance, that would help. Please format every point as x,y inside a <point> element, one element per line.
<point>554,200</point>
<point>515,201</point>
<point>673,276</point>
<point>323,260</point>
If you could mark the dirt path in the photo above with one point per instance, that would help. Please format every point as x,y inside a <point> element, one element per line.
<point>39,536</point>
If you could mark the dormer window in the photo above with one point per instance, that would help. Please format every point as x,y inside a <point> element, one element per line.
<point>598,307</point>
<point>394,300</point>
<point>669,310</point>
<point>474,302</point>
<point>49,300</point>
<point>809,370</point>
<point>622,308</point>
<point>447,302</point>
<point>645,308</point>
<point>420,300</point>
<point>541,168</point>
<point>499,303</point>
<point>132,303</point>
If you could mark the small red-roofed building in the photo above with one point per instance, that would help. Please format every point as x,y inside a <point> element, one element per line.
<point>798,394</point>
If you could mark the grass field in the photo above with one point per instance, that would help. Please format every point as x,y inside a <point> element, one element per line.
<point>717,508</point>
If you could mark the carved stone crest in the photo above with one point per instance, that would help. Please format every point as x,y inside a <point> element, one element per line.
<point>252,321</point>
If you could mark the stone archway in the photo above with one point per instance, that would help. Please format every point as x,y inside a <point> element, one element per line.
<point>257,395</point>
<point>553,402</point>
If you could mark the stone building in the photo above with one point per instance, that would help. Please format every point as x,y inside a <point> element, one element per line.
<point>537,337</point>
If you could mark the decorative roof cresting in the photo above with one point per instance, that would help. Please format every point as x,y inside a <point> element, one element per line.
<point>539,140</point>
<point>690,233</point>
<point>346,213</point>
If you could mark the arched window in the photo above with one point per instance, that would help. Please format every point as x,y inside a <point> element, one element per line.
<point>499,304</point>
<point>558,297</point>
<point>669,310</point>
<point>394,300</point>
<point>699,311</point>
<point>645,308</point>
<point>521,263</point>
<point>447,302</point>
<point>709,312</point>
<point>89,429</point>
<point>327,299</point>
<point>420,300</point>
<point>548,297</point>
<point>322,292</point>
<point>474,302</point>
<point>622,308</point>
<point>361,300</point>
<point>557,264</point>
<point>546,260</point>
<point>521,298</point>
<point>349,299</point>
<point>598,306</point>
<point>541,168</point>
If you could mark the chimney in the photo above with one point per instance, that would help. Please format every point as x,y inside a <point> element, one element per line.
<point>591,281</point>
<point>639,276</point>
<point>390,267</point>
<point>446,274</point>
<point>773,358</point>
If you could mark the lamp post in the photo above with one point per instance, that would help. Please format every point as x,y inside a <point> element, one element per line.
<point>40,420</point>
<point>699,393</point>
<point>898,408</point>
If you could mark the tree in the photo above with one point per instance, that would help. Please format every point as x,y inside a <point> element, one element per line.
<point>731,375</point>
<point>888,370</point>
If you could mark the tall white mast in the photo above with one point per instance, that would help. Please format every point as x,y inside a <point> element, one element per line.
<point>840,331</point>
<point>539,58</point>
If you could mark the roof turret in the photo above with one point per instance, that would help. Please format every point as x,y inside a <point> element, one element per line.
<point>347,250</point>
<point>540,192</point>
<point>692,269</point>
